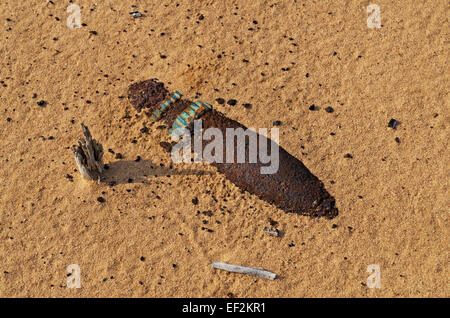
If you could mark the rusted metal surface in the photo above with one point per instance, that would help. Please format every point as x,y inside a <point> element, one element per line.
<point>147,94</point>
<point>293,188</point>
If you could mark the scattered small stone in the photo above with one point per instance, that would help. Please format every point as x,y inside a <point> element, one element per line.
<point>93,32</point>
<point>68,176</point>
<point>112,183</point>
<point>138,158</point>
<point>247,105</point>
<point>277,123</point>
<point>142,259</point>
<point>349,156</point>
<point>42,103</point>
<point>136,14</point>
<point>195,201</point>
<point>220,101</point>
<point>393,123</point>
<point>334,226</point>
<point>232,102</point>
<point>101,199</point>
<point>312,107</point>
<point>130,180</point>
<point>118,156</point>
<point>397,140</point>
<point>329,109</point>
<point>144,130</point>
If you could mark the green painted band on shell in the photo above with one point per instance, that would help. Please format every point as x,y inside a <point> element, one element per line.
<point>165,105</point>
<point>193,111</point>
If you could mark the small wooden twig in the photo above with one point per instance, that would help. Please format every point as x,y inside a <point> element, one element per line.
<point>259,272</point>
<point>89,156</point>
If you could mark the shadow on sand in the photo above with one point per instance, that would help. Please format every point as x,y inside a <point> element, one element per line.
<point>127,171</point>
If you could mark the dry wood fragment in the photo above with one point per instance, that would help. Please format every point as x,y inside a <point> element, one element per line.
<point>89,156</point>
<point>259,272</point>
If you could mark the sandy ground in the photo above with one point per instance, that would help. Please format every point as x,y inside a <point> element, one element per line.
<point>147,240</point>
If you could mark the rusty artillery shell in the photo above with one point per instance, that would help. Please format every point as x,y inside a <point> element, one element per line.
<point>293,188</point>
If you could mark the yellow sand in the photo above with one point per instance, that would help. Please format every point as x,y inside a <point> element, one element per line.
<point>400,221</point>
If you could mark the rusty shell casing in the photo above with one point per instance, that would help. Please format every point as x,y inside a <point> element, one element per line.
<point>293,188</point>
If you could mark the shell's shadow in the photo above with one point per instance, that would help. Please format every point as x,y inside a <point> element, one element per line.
<point>128,171</point>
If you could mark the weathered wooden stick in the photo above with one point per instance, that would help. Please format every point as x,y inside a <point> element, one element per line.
<point>259,272</point>
<point>89,156</point>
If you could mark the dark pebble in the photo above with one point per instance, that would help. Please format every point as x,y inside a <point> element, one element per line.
<point>277,123</point>
<point>329,109</point>
<point>93,32</point>
<point>312,107</point>
<point>397,140</point>
<point>334,226</point>
<point>101,199</point>
<point>119,156</point>
<point>232,102</point>
<point>144,130</point>
<point>348,156</point>
<point>220,101</point>
<point>247,105</point>
<point>195,201</point>
<point>393,123</point>
<point>42,103</point>
<point>142,259</point>
<point>138,158</point>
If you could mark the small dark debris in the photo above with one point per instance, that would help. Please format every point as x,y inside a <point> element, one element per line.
<point>220,101</point>
<point>195,201</point>
<point>42,103</point>
<point>329,109</point>
<point>347,155</point>
<point>136,14</point>
<point>393,123</point>
<point>232,102</point>
<point>101,199</point>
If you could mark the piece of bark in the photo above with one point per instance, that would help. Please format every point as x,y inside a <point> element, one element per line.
<point>259,272</point>
<point>89,156</point>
